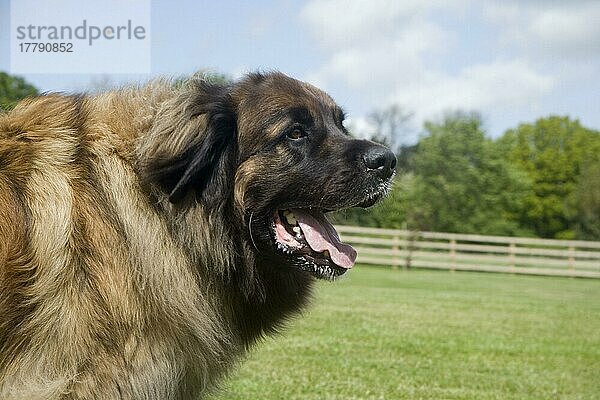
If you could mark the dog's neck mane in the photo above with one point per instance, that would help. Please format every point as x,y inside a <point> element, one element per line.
<point>213,245</point>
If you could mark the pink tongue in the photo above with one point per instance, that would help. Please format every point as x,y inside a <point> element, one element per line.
<point>321,236</point>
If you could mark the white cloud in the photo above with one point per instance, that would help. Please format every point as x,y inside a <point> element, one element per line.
<point>361,126</point>
<point>549,29</point>
<point>359,22</point>
<point>396,51</point>
<point>572,30</point>
<point>374,45</point>
<point>398,55</point>
<point>484,86</point>
<point>337,22</point>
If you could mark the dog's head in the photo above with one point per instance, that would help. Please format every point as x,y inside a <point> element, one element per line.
<point>272,151</point>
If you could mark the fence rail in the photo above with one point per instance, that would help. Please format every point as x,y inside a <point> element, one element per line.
<point>467,252</point>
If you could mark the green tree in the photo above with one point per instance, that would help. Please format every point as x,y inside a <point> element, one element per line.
<point>13,89</point>
<point>552,152</point>
<point>587,202</point>
<point>204,74</point>
<point>390,213</point>
<point>462,183</point>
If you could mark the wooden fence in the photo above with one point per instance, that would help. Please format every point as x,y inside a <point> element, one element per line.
<point>453,251</point>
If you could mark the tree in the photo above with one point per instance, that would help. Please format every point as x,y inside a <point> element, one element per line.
<point>454,180</point>
<point>390,213</point>
<point>587,202</point>
<point>462,184</point>
<point>552,152</point>
<point>390,125</point>
<point>13,89</point>
<point>213,77</point>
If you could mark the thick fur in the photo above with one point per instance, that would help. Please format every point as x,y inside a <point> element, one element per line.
<point>128,265</point>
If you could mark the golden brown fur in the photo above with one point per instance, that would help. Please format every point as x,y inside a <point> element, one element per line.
<point>117,280</point>
<point>107,301</point>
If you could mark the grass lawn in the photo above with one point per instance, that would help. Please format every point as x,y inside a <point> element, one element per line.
<point>391,334</point>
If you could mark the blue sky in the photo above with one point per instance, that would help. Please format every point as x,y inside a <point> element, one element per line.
<point>513,61</point>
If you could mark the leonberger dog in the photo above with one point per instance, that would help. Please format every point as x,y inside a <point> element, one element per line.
<point>150,236</point>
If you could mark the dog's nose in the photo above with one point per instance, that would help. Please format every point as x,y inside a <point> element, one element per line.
<point>380,160</point>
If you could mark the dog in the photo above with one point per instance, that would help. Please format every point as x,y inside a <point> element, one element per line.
<point>150,236</point>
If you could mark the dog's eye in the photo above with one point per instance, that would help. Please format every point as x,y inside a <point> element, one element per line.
<point>296,133</point>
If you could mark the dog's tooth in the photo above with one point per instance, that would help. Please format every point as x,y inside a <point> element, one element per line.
<point>297,230</point>
<point>290,218</point>
<point>326,253</point>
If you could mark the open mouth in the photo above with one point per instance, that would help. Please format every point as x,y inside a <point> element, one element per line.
<point>312,242</point>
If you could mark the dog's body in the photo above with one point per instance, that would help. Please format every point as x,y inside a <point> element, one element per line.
<point>137,255</point>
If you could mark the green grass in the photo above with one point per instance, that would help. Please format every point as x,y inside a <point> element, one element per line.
<point>390,334</point>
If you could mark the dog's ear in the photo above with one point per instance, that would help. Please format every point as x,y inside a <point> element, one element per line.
<point>191,145</point>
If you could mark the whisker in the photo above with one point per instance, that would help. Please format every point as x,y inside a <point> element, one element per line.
<point>250,229</point>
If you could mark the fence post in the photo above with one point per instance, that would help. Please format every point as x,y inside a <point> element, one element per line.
<point>395,249</point>
<point>452,254</point>
<point>511,256</point>
<point>410,247</point>
<point>571,254</point>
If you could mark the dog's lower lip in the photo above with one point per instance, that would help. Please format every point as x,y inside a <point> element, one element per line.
<point>321,271</point>
<point>368,202</point>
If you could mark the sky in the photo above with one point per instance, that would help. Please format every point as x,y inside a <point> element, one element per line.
<point>511,61</point>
